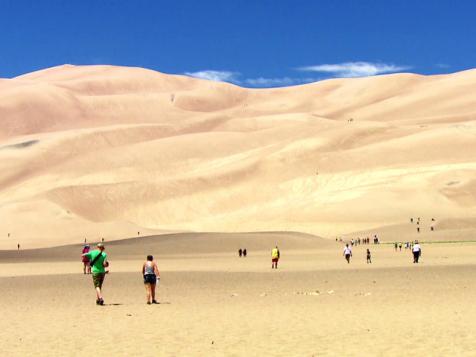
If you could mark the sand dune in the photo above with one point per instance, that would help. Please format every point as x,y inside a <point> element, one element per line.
<point>104,151</point>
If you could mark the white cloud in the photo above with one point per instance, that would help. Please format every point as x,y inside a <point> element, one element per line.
<point>442,65</point>
<point>233,77</point>
<point>354,69</point>
<point>217,76</point>
<point>277,82</point>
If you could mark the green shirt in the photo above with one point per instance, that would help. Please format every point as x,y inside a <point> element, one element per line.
<point>98,266</point>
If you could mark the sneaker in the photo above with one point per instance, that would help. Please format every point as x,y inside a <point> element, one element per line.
<point>101,301</point>
<point>148,303</point>
<point>155,302</point>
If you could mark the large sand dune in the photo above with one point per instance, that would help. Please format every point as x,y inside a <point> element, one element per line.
<point>103,151</point>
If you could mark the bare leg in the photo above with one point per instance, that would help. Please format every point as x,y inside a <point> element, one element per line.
<point>98,293</point>
<point>152,291</point>
<point>84,268</point>
<point>147,291</point>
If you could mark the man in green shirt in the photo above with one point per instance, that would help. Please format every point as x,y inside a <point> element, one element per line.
<point>98,261</point>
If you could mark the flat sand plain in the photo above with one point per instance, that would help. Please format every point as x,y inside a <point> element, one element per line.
<point>214,303</point>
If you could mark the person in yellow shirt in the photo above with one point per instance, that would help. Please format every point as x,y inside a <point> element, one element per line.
<point>274,258</point>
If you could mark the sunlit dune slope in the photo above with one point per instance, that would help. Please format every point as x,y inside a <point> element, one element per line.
<point>104,151</point>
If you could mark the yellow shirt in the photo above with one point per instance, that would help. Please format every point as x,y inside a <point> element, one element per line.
<point>275,253</point>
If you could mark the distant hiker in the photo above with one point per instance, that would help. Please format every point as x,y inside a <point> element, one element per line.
<point>396,246</point>
<point>347,253</point>
<point>151,278</point>
<point>84,240</point>
<point>85,260</point>
<point>8,235</point>
<point>138,233</point>
<point>418,229</point>
<point>400,246</point>
<point>274,258</point>
<point>244,253</point>
<point>416,252</point>
<point>18,246</point>
<point>98,262</point>
<point>240,252</point>
<point>411,220</point>
<point>369,258</point>
<point>102,240</point>
<point>375,239</point>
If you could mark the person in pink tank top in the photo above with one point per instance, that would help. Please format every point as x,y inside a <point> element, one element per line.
<point>85,260</point>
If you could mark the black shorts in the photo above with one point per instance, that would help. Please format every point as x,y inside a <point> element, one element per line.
<point>150,279</point>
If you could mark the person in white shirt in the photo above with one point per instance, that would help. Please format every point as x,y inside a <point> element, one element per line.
<point>347,253</point>
<point>416,252</point>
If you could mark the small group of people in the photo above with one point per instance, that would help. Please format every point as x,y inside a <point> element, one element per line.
<point>348,254</point>
<point>96,263</point>
<point>418,220</point>
<point>398,245</point>
<point>356,241</point>
<point>415,248</point>
<point>242,252</point>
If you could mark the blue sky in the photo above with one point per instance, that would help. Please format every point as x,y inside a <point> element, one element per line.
<point>252,43</point>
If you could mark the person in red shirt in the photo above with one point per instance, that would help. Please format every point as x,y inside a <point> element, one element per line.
<point>85,260</point>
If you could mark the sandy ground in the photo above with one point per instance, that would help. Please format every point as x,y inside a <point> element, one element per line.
<point>216,304</point>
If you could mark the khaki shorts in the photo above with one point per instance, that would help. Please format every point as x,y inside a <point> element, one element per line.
<point>98,279</point>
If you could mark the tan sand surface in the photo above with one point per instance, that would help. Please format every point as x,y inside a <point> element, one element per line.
<point>105,151</point>
<point>216,304</point>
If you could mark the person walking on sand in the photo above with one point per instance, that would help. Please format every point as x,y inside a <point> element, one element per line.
<point>369,258</point>
<point>240,252</point>
<point>244,253</point>
<point>85,260</point>
<point>274,258</point>
<point>151,278</point>
<point>416,252</point>
<point>98,262</point>
<point>347,253</point>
